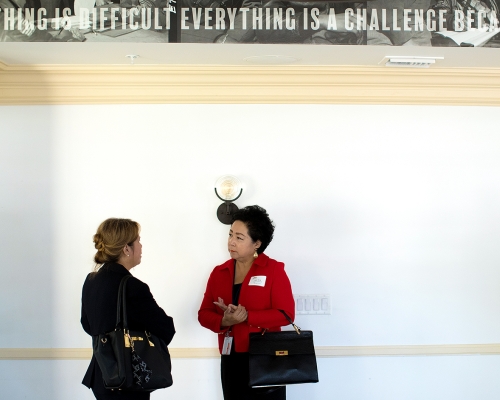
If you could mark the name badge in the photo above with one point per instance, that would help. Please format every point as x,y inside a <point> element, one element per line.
<point>257,281</point>
<point>226,346</point>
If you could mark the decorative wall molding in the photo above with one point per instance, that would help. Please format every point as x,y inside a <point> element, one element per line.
<point>321,351</point>
<point>409,350</point>
<point>55,84</point>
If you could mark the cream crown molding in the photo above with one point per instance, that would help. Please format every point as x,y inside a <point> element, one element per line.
<point>108,84</point>
<point>321,351</point>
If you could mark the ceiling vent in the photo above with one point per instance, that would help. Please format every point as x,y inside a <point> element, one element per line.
<point>410,62</point>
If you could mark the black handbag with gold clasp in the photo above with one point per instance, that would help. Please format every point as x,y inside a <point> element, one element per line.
<point>131,360</point>
<point>282,358</point>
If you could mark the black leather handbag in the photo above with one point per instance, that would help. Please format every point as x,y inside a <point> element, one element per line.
<point>131,360</point>
<point>282,358</point>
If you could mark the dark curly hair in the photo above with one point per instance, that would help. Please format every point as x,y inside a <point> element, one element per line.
<point>259,225</point>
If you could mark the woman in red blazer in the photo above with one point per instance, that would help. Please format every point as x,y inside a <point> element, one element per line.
<point>245,295</point>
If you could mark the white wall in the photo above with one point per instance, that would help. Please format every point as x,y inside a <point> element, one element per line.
<point>392,210</point>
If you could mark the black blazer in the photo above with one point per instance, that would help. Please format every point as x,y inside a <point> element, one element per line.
<point>99,296</point>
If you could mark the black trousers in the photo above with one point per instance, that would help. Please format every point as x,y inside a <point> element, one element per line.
<point>234,377</point>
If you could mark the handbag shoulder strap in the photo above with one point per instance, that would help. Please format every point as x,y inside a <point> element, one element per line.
<point>297,329</point>
<point>121,304</point>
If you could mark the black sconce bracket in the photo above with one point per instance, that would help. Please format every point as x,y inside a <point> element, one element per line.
<point>226,209</point>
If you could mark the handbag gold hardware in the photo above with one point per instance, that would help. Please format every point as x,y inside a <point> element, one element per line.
<point>133,338</point>
<point>282,352</point>
<point>136,338</point>
<point>148,335</point>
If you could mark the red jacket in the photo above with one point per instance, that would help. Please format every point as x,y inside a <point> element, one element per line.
<point>261,302</point>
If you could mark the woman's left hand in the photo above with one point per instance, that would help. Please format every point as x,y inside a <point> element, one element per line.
<point>221,304</point>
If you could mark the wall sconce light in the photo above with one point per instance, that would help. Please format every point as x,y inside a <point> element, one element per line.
<point>227,188</point>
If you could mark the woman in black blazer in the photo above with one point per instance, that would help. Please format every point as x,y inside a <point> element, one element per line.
<point>118,251</point>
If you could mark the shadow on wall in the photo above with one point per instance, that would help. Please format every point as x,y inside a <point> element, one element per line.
<point>27,248</point>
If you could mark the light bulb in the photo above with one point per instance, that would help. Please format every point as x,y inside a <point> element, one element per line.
<point>228,187</point>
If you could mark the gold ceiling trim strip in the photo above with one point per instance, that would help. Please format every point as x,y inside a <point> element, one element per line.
<point>45,84</point>
<point>321,351</point>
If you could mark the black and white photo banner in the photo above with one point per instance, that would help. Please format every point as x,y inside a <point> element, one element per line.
<point>465,23</point>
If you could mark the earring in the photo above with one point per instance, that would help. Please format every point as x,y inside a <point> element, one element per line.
<point>255,255</point>
<point>128,255</point>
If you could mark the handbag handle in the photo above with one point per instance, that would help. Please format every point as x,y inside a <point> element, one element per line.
<point>297,329</point>
<point>121,305</point>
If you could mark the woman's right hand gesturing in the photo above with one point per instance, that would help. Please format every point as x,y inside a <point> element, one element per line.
<point>234,315</point>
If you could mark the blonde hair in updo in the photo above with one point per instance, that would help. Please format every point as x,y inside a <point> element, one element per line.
<point>111,237</point>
